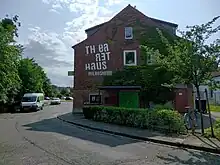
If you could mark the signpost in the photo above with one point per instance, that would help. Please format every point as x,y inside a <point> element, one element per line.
<point>210,117</point>
<point>72,73</point>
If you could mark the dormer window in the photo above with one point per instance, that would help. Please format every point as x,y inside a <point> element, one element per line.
<point>128,33</point>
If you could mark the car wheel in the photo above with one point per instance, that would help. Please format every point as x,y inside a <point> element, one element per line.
<point>21,110</point>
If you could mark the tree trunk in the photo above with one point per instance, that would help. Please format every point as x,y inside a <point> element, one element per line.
<point>193,116</point>
<point>210,117</point>
<point>200,108</point>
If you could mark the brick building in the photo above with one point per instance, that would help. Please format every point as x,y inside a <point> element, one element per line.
<point>108,47</point>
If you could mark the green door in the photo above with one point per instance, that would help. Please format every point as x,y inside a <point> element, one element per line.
<point>129,99</point>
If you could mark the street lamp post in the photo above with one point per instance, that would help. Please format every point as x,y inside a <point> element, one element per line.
<point>71,73</point>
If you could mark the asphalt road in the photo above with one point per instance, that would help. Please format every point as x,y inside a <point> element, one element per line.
<point>39,138</point>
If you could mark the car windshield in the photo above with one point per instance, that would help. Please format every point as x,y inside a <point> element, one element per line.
<point>55,98</point>
<point>29,99</point>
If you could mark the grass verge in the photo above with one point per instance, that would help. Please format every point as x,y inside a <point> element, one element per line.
<point>216,128</point>
<point>215,108</point>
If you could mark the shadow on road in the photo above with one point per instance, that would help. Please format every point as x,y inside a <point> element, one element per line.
<point>196,158</point>
<point>57,126</point>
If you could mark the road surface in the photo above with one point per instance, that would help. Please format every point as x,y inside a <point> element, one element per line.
<point>39,138</point>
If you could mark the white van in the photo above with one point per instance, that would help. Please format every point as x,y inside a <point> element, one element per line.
<point>32,102</point>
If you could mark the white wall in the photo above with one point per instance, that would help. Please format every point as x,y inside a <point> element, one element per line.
<point>215,98</point>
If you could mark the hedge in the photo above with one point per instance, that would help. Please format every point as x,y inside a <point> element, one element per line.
<point>163,120</point>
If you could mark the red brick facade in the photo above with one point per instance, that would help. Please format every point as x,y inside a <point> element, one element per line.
<point>111,36</point>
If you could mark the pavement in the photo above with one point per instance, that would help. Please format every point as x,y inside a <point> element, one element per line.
<point>39,138</point>
<point>206,122</point>
<point>188,141</point>
<point>216,114</point>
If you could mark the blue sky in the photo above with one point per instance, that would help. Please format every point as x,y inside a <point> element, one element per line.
<point>51,27</point>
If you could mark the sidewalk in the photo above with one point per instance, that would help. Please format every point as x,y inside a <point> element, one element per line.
<point>216,114</point>
<point>186,141</point>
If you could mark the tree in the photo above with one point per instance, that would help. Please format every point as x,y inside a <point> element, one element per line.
<point>17,75</point>
<point>152,79</point>
<point>55,91</point>
<point>47,87</point>
<point>191,58</point>
<point>10,54</point>
<point>33,77</point>
<point>64,92</point>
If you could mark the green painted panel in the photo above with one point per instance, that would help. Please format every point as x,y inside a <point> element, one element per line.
<point>129,99</point>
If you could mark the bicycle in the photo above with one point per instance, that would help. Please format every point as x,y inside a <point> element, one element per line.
<point>188,118</point>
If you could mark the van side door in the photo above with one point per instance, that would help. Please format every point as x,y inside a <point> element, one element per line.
<point>42,100</point>
<point>38,101</point>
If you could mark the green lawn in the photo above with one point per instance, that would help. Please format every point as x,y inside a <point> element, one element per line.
<point>67,100</point>
<point>215,108</point>
<point>216,129</point>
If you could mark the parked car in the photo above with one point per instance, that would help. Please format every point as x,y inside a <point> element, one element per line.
<point>63,98</point>
<point>32,102</point>
<point>55,101</point>
<point>47,98</point>
<point>69,98</point>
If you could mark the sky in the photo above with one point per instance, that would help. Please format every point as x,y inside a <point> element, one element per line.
<point>50,27</point>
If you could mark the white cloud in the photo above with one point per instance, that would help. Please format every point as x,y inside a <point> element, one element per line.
<point>54,11</point>
<point>105,11</point>
<point>114,2</point>
<point>50,50</point>
<point>55,46</point>
<point>90,14</point>
<point>56,6</point>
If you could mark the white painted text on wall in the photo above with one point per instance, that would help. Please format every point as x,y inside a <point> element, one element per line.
<point>101,55</point>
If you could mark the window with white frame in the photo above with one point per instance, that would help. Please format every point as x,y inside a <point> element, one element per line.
<point>128,33</point>
<point>130,57</point>
<point>94,98</point>
<point>149,59</point>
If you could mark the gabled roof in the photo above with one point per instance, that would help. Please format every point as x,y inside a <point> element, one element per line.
<point>128,7</point>
<point>94,27</point>
<point>153,19</point>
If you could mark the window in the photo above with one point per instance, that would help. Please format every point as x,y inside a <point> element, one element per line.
<point>130,57</point>
<point>29,99</point>
<point>94,99</point>
<point>149,59</point>
<point>128,33</point>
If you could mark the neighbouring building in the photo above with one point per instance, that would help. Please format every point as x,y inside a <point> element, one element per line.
<point>111,46</point>
<point>213,94</point>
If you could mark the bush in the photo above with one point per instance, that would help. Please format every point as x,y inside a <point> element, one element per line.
<point>163,120</point>
<point>88,112</point>
<point>163,106</point>
<point>216,128</point>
